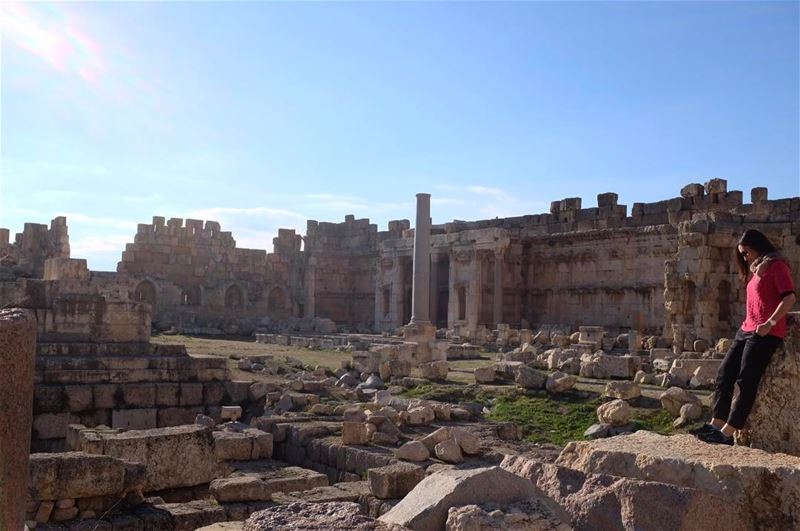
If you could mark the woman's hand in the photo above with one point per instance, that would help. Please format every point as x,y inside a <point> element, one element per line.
<point>763,329</point>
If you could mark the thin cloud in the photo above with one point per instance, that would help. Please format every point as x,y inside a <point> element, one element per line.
<point>78,218</point>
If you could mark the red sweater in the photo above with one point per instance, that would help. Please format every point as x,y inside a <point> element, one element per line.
<point>764,294</point>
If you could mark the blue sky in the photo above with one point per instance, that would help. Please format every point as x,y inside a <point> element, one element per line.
<point>262,115</point>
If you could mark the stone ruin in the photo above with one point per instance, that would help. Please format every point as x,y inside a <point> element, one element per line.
<point>127,434</point>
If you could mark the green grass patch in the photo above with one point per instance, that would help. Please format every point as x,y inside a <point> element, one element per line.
<point>657,420</point>
<point>453,393</point>
<point>555,420</point>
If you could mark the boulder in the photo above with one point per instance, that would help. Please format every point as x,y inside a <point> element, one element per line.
<point>426,506</point>
<point>559,382</point>
<point>354,414</point>
<point>413,451</point>
<point>419,416</point>
<point>674,398</point>
<point>449,451</point>
<point>432,439</point>
<point>766,487</point>
<point>468,442</point>
<point>623,390</point>
<point>688,413</point>
<point>530,378</point>
<point>616,413</point>
<point>645,378</point>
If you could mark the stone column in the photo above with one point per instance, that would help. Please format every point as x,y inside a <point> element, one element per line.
<point>311,278</point>
<point>452,302</point>
<point>434,297</point>
<point>420,295</point>
<point>498,287</point>
<point>473,313</point>
<point>17,358</point>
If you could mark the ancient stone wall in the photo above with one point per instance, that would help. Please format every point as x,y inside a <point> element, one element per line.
<point>667,268</point>
<point>193,274</point>
<point>340,274</point>
<point>26,255</point>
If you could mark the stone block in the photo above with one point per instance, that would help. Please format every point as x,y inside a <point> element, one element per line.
<point>354,433</point>
<point>177,416</point>
<point>138,395</point>
<point>168,394</point>
<point>105,396</point>
<point>74,475</point>
<point>237,390</point>
<point>394,481</point>
<point>191,394</point>
<point>180,456</point>
<point>52,425</point>
<point>232,446</point>
<point>134,419</point>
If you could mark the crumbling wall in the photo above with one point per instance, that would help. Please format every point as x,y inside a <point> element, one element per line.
<point>193,275</point>
<point>26,256</point>
<point>340,274</point>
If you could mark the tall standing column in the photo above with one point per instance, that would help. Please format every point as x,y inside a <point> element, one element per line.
<point>420,294</point>
<point>434,305</point>
<point>498,287</point>
<point>17,359</point>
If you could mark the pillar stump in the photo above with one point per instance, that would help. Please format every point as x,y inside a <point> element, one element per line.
<point>17,358</point>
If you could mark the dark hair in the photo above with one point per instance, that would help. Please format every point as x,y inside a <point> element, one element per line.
<point>756,241</point>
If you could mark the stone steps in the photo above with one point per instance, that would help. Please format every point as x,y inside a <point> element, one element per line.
<point>109,349</point>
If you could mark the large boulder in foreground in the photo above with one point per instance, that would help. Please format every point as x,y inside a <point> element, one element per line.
<point>764,486</point>
<point>599,501</point>
<point>425,507</point>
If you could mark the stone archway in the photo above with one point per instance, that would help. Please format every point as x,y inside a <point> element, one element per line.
<point>145,292</point>
<point>234,297</point>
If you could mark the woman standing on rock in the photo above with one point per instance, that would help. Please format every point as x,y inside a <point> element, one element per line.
<point>770,295</point>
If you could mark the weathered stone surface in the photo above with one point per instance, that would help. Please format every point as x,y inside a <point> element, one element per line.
<point>530,378</point>
<point>559,382</point>
<point>413,451</point>
<point>773,422</point>
<point>520,516</point>
<point>425,507</point>
<point>313,517</point>
<point>17,354</point>
<point>255,482</point>
<point>616,413</point>
<point>395,480</point>
<point>179,456</point>
<point>419,416</point>
<point>468,442</point>
<point>484,375</point>
<point>765,486</point>
<point>354,433</point>
<point>688,413</point>
<point>231,445</point>
<point>193,515</point>
<point>449,451</point>
<point>642,377</point>
<point>604,502</point>
<point>623,390</point>
<point>674,398</point>
<point>74,475</point>
<point>435,437</point>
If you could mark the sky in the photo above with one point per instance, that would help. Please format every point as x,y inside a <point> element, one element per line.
<point>263,115</point>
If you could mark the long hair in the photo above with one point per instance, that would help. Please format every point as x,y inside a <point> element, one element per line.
<point>756,241</point>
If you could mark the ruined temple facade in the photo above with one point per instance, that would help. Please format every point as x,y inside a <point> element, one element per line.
<point>665,268</point>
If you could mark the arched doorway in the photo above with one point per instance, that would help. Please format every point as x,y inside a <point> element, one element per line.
<point>145,292</point>
<point>234,298</point>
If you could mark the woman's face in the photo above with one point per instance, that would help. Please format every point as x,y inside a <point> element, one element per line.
<point>748,253</point>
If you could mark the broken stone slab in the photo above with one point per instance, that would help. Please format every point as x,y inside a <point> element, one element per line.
<point>449,451</point>
<point>395,480</point>
<point>484,375</point>
<point>530,378</point>
<point>425,507</point>
<point>766,486</point>
<point>559,382</point>
<point>468,442</point>
<point>623,390</point>
<point>79,475</point>
<point>192,515</point>
<point>179,456</point>
<point>257,481</point>
<point>600,501</point>
<point>435,437</point>
<point>355,433</point>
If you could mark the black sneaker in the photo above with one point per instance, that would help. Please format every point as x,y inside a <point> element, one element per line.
<point>703,430</point>
<point>717,437</point>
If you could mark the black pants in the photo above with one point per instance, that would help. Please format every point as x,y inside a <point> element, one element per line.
<point>744,364</point>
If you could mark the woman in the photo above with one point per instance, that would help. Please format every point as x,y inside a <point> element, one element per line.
<point>770,295</point>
